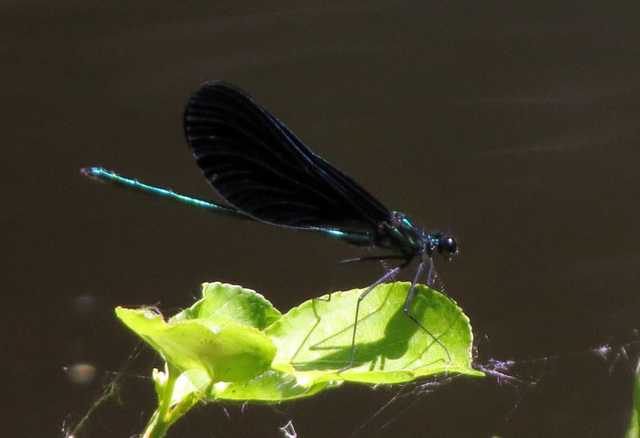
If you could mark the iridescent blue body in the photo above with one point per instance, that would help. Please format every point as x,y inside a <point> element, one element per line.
<point>101,174</point>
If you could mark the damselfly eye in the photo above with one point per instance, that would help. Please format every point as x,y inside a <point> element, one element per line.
<point>447,245</point>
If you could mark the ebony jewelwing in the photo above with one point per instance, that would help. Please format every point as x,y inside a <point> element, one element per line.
<point>267,175</point>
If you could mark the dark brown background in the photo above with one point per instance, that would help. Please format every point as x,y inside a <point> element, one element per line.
<point>515,128</point>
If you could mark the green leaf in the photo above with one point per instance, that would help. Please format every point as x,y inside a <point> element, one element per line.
<point>634,425</point>
<point>315,338</point>
<point>204,341</point>
<point>226,302</point>
<point>233,345</point>
<point>314,344</point>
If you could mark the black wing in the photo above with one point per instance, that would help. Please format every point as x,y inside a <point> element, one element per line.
<point>261,168</point>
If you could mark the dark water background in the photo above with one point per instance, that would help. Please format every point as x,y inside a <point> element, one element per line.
<point>515,128</point>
